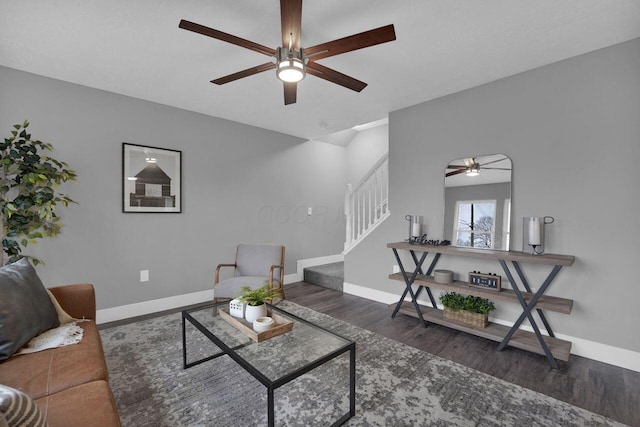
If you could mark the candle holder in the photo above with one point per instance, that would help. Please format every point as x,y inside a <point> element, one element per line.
<point>533,233</point>
<point>415,227</point>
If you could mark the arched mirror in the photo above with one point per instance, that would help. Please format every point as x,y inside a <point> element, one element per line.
<point>477,205</point>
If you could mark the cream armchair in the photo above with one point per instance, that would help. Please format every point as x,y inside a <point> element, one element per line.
<point>255,266</point>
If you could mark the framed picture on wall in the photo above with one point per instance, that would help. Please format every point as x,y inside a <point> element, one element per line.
<point>151,179</point>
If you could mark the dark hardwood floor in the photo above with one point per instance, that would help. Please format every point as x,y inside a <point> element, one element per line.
<point>598,387</point>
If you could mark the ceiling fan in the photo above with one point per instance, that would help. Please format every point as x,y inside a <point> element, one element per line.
<point>291,61</point>
<point>472,168</point>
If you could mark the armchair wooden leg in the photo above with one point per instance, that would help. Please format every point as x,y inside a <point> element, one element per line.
<point>214,310</point>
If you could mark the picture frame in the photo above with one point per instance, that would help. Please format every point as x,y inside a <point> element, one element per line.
<point>151,179</point>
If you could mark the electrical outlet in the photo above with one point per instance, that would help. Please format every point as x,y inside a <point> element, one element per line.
<point>309,210</point>
<point>144,275</point>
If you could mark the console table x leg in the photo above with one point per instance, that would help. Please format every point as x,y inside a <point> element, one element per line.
<point>516,265</point>
<point>526,311</point>
<point>429,271</point>
<point>408,282</point>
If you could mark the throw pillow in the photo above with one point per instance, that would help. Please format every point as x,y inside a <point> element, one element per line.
<point>18,409</point>
<point>25,307</point>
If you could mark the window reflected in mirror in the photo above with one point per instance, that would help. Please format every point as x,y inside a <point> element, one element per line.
<point>478,202</point>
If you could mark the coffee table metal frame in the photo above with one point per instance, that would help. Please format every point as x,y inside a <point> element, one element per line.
<point>272,384</point>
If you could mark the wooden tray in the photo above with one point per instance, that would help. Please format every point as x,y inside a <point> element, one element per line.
<point>282,325</point>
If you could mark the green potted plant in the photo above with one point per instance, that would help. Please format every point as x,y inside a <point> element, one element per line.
<point>28,192</point>
<point>467,309</point>
<point>255,299</point>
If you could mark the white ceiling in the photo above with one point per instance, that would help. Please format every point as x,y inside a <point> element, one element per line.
<point>135,48</point>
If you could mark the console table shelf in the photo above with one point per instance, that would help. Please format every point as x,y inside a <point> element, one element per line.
<point>546,302</point>
<point>549,259</point>
<point>530,301</point>
<point>521,339</point>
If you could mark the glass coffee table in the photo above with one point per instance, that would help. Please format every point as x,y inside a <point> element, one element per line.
<point>275,361</point>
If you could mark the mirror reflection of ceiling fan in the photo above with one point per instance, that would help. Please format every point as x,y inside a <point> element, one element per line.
<point>291,61</point>
<point>472,168</point>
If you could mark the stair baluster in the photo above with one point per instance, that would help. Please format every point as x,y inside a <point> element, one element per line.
<point>367,205</point>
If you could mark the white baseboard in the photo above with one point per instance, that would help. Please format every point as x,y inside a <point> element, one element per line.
<point>290,278</point>
<point>580,347</point>
<point>153,306</point>
<point>147,307</point>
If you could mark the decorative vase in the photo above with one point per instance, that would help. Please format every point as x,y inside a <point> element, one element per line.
<point>252,312</point>
<point>263,324</point>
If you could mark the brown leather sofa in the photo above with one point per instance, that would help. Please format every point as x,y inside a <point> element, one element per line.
<point>69,384</point>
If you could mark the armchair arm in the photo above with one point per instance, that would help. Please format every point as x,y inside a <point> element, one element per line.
<point>217,275</point>
<point>273,267</point>
<point>281,280</point>
<point>78,300</point>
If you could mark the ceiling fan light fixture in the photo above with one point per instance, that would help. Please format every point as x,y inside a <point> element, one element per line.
<point>290,67</point>
<point>473,170</point>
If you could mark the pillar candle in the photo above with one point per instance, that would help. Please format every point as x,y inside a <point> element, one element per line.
<point>534,232</point>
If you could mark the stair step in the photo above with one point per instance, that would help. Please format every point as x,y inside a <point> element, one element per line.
<point>327,275</point>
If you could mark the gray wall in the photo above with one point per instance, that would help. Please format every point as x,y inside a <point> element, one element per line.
<point>240,184</point>
<point>572,130</point>
<point>366,148</point>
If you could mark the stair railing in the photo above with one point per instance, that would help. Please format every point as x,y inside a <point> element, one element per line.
<point>367,205</point>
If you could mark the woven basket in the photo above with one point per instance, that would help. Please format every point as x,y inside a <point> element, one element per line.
<point>474,319</point>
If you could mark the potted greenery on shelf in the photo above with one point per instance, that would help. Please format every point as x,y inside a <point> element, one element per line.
<point>467,309</point>
<point>255,299</point>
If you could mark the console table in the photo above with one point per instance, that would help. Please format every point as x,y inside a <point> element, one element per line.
<point>549,346</point>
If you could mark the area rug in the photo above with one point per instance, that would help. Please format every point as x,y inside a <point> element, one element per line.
<point>397,385</point>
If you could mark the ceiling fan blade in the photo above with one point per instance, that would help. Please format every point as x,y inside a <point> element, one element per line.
<point>456,172</point>
<point>219,35</point>
<point>291,22</point>
<point>290,92</point>
<point>496,169</point>
<point>334,76</point>
<point>244,73</point>
<point>493,161</point>
<point>354,42</point>
<point>456,166</point>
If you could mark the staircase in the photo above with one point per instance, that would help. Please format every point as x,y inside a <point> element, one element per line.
<point>367,205</point>
<point>327,275</point>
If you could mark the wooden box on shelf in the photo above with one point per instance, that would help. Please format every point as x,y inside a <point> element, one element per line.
<point>491,282</point>
<point>474,319</point>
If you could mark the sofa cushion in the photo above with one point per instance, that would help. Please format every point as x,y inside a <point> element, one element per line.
<point>89,404</point>
<point>56,369</point>
<point>25,307</point>
<point>18,410</point>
